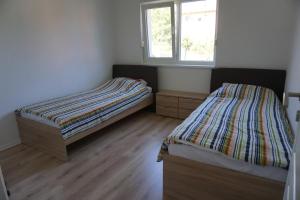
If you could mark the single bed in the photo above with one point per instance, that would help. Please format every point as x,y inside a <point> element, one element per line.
<point>54,124</point>
<point>206,154</point>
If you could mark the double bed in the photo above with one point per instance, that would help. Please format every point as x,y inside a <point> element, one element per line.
<point>54,124</point>
<point>236,145</point>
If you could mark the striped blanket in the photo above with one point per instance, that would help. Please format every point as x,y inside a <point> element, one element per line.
<point>76,113</point>
<point>244,122</point>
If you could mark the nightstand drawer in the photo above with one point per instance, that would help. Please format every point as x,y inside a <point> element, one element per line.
<point>178,104</point>
<point>184,113</point>
<point>167,111</point>
<point>187,103</point>
<point>167,101</point>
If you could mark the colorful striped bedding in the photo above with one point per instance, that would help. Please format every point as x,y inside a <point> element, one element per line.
<point>76,113</point>
<point>243,122</point>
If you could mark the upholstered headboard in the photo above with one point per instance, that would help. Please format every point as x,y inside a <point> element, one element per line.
<point>148,73</point>
<point>269,78</point>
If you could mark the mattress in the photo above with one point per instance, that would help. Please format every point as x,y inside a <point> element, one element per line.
<point>78,112</point>
<point>220,160</point>
<point>242,122</point>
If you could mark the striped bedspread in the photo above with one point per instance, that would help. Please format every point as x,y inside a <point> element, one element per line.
<point>76,113</point>
<point>243,122</point>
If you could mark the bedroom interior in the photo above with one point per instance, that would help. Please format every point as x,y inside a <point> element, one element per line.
<point>149,99</point>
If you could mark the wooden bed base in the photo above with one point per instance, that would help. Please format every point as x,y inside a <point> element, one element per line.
<point>186,179</point>
<point>49,139</point>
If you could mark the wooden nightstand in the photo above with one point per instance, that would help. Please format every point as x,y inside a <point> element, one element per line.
<point>178,104</point>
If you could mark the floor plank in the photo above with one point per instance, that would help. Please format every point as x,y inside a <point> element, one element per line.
<point>118,162</point>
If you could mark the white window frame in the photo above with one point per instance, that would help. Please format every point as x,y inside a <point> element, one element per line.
<point>176,35</point>
<point>145,42</point>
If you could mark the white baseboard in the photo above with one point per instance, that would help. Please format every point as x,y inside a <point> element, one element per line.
<point>9,145</point>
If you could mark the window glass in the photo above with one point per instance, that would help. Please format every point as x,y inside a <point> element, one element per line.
<point>159,32</point>
<point>198,19</point>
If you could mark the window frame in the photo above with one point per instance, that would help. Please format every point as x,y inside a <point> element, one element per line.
<point>145,38</point>
<point>176,14</point>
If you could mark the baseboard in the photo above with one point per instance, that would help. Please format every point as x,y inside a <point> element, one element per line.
<point>9,145</point>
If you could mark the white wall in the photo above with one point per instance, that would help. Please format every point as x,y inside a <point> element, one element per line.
<point>293,85</point>
<point>255,33</point>
<point>50,48</point>
<point>293,77</point>
<point>252,33</point>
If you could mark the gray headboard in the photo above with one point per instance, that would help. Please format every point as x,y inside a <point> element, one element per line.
<point>269,78</point>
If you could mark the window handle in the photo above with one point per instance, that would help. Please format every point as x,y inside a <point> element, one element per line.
<point>173,30</point>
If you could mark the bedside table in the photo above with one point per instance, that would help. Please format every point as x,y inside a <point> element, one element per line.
<point>178,104</point>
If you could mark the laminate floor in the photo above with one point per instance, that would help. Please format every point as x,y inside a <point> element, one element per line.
<point>118,162</point>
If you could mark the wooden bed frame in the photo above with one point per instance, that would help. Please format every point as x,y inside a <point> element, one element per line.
<point>187,179</point>
<point>49,139</point>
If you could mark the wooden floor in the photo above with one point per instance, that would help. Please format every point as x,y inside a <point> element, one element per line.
<point>118,162</point>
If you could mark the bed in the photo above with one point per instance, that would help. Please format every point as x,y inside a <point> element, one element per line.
<point>52,125</point>
<point>227,148</point>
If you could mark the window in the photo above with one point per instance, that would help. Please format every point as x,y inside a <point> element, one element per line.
<point>160,32</point>
<point>179,33</point>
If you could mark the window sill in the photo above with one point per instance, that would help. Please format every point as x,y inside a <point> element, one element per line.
<point>193,66</point>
